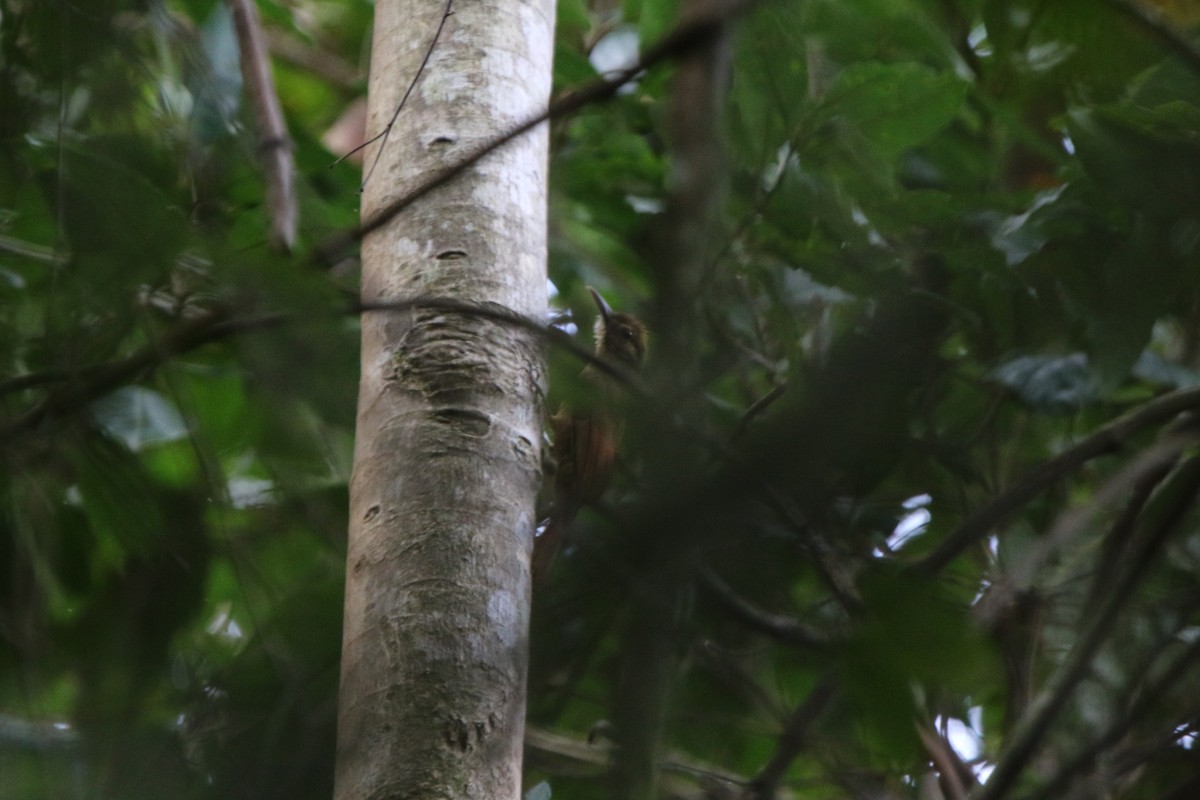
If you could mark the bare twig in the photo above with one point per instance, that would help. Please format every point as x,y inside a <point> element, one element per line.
<point>76,388</point>
<point>557,754</point>
<point>757,407</point>
<point>778,626</point>
<point>792,739</point>
<point>1108,439</point>
<point>837,576</point>
<point>94,382</point>
<point>19,733</point>
<point>734,674</point>
<point>32,380</point>
<point>1141,475</point>
<point>947,762</point>
<point>34,252</point>
<point>1033,727</point>
<point>274,144</point>
<point>499,313</point>
<point>386,133</point>
<point>1148,697</point>
<point>682,39</point>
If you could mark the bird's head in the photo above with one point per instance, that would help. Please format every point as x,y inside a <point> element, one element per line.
<point>620,338</point>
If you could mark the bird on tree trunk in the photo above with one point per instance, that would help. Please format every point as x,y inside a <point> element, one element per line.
<point>586,440</point>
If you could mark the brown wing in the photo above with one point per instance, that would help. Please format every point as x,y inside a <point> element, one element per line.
<point>585,447</point>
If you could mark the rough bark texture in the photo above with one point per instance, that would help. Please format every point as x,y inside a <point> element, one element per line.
<point>447,458</point>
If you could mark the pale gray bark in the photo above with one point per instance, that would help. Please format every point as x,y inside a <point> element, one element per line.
<point>447,458</point>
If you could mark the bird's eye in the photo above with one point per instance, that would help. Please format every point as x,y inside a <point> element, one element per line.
<point>627,333</point>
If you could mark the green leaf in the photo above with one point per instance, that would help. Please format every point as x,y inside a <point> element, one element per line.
<point>894,107</point>
<point>119,236</point>
<point>916,639</point>
<point>1149,159</point>
<point>139,417</point>
<point>768,95</point>
<point>1118,295</point>
<point>1052,383</point>
<point>1021,235</point>
<point>113,491</point>
<point>655,18</point>
<point>1156,369</point>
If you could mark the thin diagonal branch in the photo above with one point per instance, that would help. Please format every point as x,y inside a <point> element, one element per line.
<point>1147,698</point>
<point>498,313</point>
<point>683,39</point>
<point>949,766</point>
<point>1160,519</point>
<point>1108,439</point>
<point>793,739</point>
<point>1137,479</point>
<point>92,383</point>
<point>684,777</point>
<point>74,389</point>
<point>386,133</point>
<point>778,626</point>
<point>274,144</point>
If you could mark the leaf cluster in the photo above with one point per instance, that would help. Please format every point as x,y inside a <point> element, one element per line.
<point>912,512</point>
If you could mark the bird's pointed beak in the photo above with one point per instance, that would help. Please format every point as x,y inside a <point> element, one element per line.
<point>605,309</point>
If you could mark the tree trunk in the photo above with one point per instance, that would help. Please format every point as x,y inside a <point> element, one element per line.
<point>447,458</point>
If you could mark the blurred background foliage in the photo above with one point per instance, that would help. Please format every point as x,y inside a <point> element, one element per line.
<point>959,237</point>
